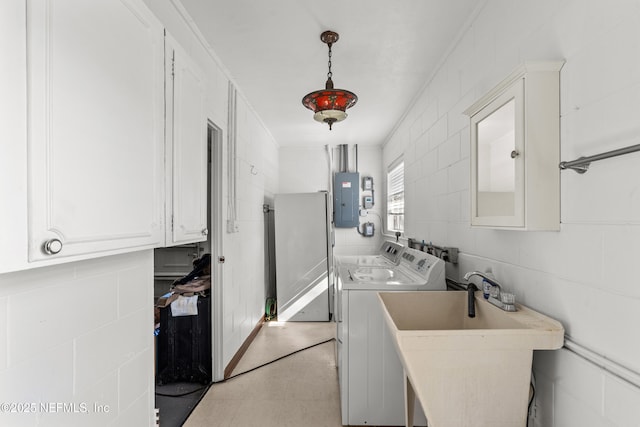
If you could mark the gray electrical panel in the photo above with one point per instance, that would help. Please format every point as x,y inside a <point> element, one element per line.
<point>346,186</point>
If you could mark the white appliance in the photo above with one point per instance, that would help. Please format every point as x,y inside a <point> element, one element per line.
<point>369,370</point>
<point>303,261</point>
<point>388,254</point>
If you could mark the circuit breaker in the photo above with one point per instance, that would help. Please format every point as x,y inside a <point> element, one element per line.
<point>346,187</point>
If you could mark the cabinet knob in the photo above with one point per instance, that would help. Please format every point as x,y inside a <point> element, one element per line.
<point>514,154</point>
<point>205,231</point>
<point>52,247</point>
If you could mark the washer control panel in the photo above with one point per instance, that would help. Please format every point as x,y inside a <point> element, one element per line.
<point>391,251</point>
<point>419,262</point>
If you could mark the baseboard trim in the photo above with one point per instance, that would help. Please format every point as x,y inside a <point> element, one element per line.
<point>243,348</point>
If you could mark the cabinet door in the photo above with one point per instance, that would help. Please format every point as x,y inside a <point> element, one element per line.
<point>95,120</point>
<point>497,161</point>
<point>515,139</point>
<point>187,145</point>
<point>13,154</point>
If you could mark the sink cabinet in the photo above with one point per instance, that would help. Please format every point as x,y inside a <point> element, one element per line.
<point>515,151</point>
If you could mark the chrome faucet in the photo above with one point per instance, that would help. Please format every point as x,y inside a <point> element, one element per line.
<point>485,277</point>
<point>507,303</point>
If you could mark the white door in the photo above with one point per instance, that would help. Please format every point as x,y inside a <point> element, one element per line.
<point>95,120</point>
<point>302,279</point>
<point>186,148</point>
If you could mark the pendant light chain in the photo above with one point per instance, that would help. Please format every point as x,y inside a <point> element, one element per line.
<point>329,74</point>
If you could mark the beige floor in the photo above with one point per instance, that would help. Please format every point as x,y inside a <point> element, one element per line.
<point>300,390</point>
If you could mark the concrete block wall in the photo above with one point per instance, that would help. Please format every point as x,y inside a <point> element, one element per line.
<point>246,274</point>
<point>583,275</point>
<point>76,341</point>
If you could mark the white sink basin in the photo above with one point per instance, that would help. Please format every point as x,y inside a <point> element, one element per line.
<point>374,274</point>
<point>377,276</point>
<point>467,371</point>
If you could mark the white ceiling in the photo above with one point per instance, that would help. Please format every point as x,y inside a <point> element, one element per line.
<point>386,53</point>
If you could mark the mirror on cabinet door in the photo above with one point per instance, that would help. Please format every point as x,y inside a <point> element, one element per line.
<point>496,169</point>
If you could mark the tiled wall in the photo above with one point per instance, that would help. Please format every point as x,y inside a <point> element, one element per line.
<point>585,275</point>
<point>78,334</point>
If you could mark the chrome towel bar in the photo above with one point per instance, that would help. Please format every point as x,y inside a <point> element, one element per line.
<point>581,165</point>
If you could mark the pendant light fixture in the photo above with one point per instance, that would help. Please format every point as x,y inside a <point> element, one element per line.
<point>329,104</point>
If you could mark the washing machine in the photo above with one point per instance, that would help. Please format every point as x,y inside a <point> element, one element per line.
<point>370,372</point>
<point>388,255</point>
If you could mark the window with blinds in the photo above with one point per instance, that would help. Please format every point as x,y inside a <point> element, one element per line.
<point>395,197</point>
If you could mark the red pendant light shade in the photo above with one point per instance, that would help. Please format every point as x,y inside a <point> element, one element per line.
<point>329,104</point>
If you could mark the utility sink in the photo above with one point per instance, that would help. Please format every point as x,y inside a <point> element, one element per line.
<point>466,371</point>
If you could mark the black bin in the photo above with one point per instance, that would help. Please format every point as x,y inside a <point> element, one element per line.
<point>184,346</point>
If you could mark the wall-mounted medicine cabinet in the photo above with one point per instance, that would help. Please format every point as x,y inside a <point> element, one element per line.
<point>515,151</point>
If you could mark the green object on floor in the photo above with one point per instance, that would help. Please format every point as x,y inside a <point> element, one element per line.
<point>270,309</point>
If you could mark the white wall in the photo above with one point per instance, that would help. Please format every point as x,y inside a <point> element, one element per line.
<point>585,274</point>
<point>306,169</point>
<point>73,335</point>
<point>82,332</point>
<point>244,273</point>
<point>79,333</point>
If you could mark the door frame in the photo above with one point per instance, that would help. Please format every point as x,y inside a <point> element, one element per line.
<point>216,244</point>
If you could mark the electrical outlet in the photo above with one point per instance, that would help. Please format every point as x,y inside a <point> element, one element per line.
<point>232,226</point>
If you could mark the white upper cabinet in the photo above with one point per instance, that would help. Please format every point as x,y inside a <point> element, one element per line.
<point>515,151</point>
<point>95,128</point>
<point>186,147</point>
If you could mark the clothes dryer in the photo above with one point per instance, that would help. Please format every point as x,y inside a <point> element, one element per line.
<point>369,369</point>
